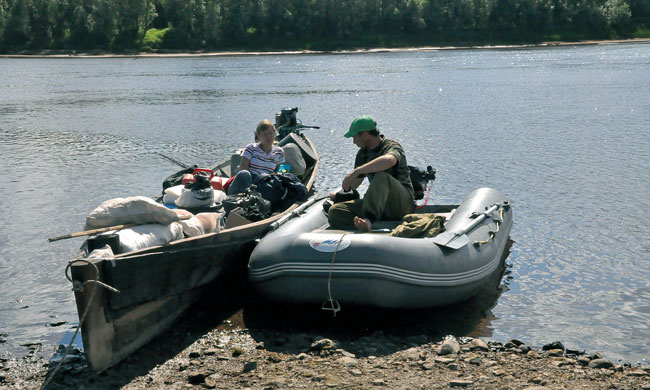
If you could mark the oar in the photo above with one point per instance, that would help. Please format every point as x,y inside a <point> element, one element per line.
<point>295,212</point>
<point>101,230</point>
<point>458,239</point>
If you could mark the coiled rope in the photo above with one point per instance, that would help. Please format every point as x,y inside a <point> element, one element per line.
<point>79,287</point>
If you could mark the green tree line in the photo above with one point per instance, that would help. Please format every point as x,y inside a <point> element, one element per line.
<point>124,25</point>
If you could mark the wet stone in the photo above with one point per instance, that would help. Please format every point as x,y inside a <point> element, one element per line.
<point>600,363</point>
<point>553,345</point>
<point>460,383</point>
<point>583,360</point>
<point>524,349</point>
<point>516,342</point>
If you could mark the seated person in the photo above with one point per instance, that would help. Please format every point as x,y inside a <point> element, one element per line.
<point>390,193</point>
<point>258,158</point>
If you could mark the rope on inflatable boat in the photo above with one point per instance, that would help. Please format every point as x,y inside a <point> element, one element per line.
<point>79,287</point>
<point>334,305</point>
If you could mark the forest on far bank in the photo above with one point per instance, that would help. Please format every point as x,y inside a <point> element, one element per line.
<point>193,25</point>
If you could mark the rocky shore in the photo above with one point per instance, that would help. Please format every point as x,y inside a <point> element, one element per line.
<point>233,339</point>
<point>231,358</point>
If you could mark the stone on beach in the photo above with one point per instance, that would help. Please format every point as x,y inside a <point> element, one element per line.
<point>322,344</point>
<point>553,345</point>
<point>449,346</point>
<point>479,344</point>
<point>600,363</point>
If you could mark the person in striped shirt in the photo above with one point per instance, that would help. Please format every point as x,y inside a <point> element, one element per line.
<point>258,158</point>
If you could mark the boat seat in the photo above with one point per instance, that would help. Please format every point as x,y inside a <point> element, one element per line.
<point>235,159</point>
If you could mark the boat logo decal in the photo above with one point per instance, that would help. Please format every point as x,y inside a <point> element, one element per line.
<point>329,244</point>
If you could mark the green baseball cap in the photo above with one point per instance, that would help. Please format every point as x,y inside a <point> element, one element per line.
<point>360,124</point>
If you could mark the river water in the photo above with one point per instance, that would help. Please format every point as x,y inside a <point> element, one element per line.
<point>563,131</point>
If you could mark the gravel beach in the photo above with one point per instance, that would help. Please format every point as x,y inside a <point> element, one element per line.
<point>246,343</point>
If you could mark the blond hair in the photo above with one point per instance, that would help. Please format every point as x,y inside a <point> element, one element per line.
<point>265,125</point>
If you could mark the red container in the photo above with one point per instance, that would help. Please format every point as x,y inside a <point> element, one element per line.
<point>188,178</point>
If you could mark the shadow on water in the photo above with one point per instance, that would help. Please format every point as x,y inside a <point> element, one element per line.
<point>230,303</point>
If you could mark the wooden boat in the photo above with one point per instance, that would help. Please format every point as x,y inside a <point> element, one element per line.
<point>157,284</point>
<point>306,261</point>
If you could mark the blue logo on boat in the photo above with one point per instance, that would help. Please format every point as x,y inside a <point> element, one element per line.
<point>327,244</point>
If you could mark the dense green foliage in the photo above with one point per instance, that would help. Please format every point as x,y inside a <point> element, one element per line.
<point>118,25</point>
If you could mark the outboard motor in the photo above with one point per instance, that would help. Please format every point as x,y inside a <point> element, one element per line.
<point>285,120</point>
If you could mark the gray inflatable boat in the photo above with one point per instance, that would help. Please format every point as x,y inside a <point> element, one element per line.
<point>304,260</point>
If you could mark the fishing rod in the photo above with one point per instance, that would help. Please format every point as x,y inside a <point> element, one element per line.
<point>180,164</point>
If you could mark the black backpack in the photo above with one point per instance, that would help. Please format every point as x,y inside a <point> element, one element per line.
<point>420,178</point>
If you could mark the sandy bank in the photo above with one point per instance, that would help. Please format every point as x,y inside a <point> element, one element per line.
<point>90,55</point>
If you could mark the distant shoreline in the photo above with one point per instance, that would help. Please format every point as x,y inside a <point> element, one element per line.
<point>71,55</point>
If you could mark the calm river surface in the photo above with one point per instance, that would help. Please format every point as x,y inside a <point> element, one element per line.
<point>564,132</point>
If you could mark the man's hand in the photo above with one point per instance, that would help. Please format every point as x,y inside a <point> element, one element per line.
<point>349,181</point>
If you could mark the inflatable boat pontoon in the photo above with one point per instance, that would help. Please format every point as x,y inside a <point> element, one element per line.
<point>304,260</point>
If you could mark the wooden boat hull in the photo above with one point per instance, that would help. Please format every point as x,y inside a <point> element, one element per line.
<point>156,285</point>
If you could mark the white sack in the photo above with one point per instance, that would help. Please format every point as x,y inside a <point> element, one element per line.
<point>102,253</point>
<point>136,209</point>
<point>203,223</point>
<point>293,157</point>
<point>192,227</point>
<point>172,193</point>
<point>145,236</point>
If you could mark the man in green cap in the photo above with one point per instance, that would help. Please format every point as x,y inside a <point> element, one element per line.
<point>390,193</point>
